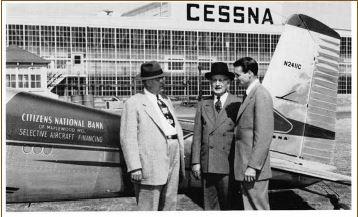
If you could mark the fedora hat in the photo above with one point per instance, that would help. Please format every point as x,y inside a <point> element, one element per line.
<point>150,70</point>
<point>219,68</point>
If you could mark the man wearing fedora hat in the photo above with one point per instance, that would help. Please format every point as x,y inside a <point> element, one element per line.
<point>213,138</point>
<point>152,143</point>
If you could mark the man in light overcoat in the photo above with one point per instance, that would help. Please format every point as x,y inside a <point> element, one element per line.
<point>213,138</point>
<point>152,143</point>
<point>253,135</point>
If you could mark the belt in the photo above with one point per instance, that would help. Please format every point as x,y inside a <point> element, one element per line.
<point>172,136</point>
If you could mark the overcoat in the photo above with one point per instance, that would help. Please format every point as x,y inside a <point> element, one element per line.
<point>213,135</point>
<point>143,141</point>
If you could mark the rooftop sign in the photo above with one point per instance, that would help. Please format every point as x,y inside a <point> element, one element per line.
<point>228,14</point>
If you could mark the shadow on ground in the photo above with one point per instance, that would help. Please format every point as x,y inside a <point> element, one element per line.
<point>279,200</point>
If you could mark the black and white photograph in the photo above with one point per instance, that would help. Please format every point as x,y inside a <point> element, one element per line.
<point>232,106</point>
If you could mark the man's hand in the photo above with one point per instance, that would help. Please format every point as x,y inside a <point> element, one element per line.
<point>250,174</point>
<point>136,175</point>
<point>196,170</point>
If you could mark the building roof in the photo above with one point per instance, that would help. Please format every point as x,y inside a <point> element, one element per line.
<point>177,18</point>
<point>144,8</point>
<point>14,54</point>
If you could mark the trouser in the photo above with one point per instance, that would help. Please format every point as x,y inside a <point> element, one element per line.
<point>161,197</point>
<point>255,195</point>
<point>216,191</point>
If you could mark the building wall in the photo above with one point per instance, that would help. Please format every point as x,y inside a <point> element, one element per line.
<point>112,56</point>
<point>27,79</point>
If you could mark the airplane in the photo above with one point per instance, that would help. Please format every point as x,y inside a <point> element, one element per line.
<point>58,150</point>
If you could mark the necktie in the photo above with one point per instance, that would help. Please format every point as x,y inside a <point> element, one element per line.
<point>218,105</point>
<point>244,97</point>
<point>164,108</point>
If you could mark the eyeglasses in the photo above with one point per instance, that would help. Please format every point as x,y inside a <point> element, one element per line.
<point>219,80</point>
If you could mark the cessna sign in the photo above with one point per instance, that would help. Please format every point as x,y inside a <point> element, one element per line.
<point>227,14</point>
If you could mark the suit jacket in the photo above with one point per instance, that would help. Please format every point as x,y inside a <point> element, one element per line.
<point>213,135</point>
<point>143,140</point>
<point>253,134</point>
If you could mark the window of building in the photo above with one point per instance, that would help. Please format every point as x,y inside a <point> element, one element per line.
<point>7,80</point>
<point>35,81</point>
<point>48,42</point>
<point>20,79</point>
<point>175,66</point>
<point>63,42</point>
<point>109,78</point>
<point>274,41</point>
<point>191,79</point>
<point>241,45</point>
<point>217,45</point>
<point>229,47</point>
<point>26,81</point>
<point>346,49</point>
<point>349,49</point>
<point>78,39</point>
<point>32,39</point>
<point>123,43</point>
<point>108,43</point>
<point>178,43</point>
<point>204,43</point>
<point>77,59</point>
<point>137,43</point>
<point>253,49</point>
<point>264,46</point>
<point>11,81</point>
<point>191,46</point>
<point>16,35</point>
<point>205,66</point>
<point>345,84</point>
<point>94,42</point>
<point>124,86</point>
<point>151,46</point>
<point>164,43</point>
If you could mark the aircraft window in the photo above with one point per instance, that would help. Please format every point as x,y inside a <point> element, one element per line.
<point>37,150</point>
<point>280,137</point>
<point>47,151</point>
<point>26,149</point>
<point>285,138</point>
<point>274,136</point>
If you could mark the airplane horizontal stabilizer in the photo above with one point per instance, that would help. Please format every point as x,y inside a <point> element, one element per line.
<point>309,168</point>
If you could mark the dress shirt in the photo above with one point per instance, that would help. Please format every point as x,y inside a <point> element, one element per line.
<point>169,130</point>
<point>222,99</point>
<point>252,85</point>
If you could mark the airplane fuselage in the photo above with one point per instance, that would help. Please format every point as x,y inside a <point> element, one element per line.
<point>62,151</point>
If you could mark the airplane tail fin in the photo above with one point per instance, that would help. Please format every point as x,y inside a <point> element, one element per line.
<point>302,79</point>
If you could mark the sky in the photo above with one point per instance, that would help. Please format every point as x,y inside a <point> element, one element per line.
<point>337,14</point>
<point>82,8</point>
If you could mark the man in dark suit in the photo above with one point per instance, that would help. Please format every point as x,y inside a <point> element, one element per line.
<point>213,138</point>
<point>253,135</point>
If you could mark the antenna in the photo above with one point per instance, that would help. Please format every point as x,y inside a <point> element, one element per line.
<point>108,12</point>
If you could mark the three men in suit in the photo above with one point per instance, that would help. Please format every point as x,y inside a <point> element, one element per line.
<point>253,135</point>
<point>213,137</point>
<point>152,143</point>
